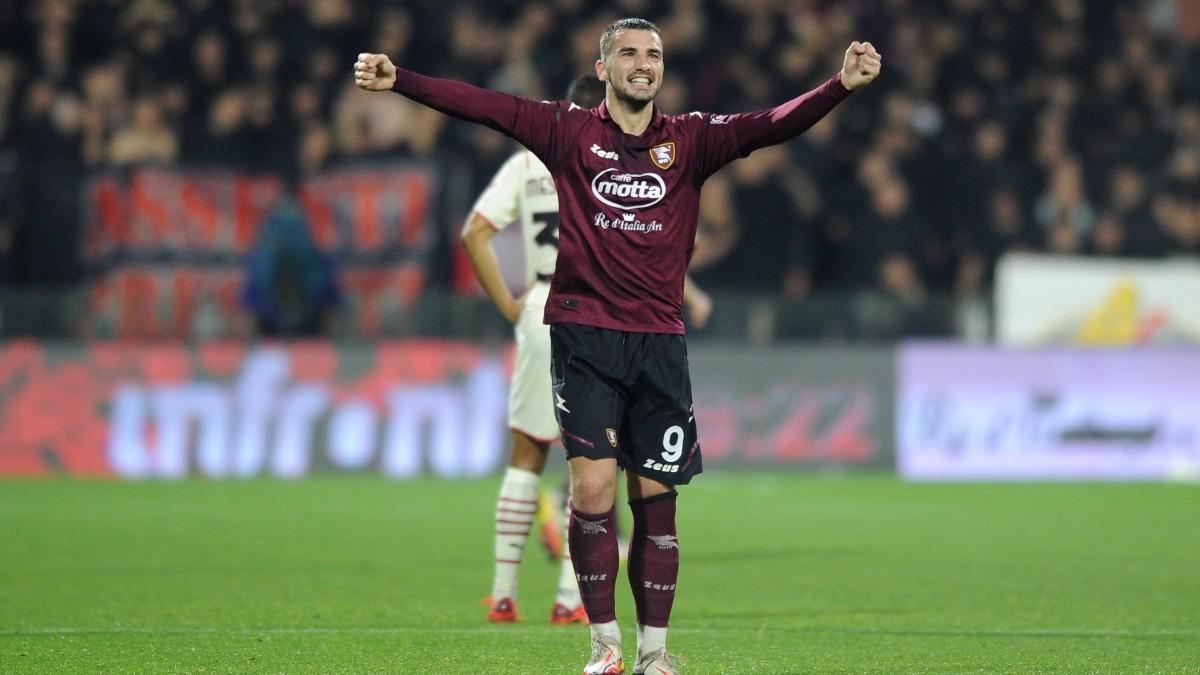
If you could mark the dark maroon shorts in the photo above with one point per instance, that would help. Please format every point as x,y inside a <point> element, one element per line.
<point>626,396</point>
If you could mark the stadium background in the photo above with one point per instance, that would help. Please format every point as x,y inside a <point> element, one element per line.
<point>146,147</point>
<point>918,285</point>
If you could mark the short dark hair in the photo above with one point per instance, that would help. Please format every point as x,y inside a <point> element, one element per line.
<point>610,33</point>
<point>587,91</point>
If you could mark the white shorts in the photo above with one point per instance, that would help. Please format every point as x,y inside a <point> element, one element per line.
<point>530,405</point>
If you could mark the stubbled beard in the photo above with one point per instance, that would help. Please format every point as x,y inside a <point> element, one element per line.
<point>635,104</point>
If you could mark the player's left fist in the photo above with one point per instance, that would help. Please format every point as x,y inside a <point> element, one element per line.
<point>861,66</point>
<point>374,72</point>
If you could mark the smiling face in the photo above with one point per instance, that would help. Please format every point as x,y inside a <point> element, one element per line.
<point>633,66</point>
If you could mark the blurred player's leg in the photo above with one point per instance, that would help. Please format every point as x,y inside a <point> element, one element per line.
<point>534,426</point>
<point>515,511</point>
<point>551,522</point>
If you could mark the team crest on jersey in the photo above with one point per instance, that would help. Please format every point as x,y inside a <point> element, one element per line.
<point>663,155</point>
<point>612,436</point>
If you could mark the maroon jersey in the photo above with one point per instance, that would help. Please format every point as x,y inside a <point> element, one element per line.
<point>628,205</point>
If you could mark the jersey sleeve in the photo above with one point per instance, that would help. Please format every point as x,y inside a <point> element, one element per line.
<point>499,204</point>
<point>729,137</point>
<point>537,125</point>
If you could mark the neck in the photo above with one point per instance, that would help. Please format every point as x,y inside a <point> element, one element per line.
<point>632,120</point>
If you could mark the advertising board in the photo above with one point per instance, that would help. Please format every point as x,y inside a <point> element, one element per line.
<point>1068,414</point>
<point>401,409</point>
<point>1062,300</point>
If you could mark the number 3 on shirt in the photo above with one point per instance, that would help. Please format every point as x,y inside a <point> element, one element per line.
<point>548,236</point>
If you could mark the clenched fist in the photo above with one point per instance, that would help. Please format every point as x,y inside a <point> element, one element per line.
<point>861,66</point>
<point>375,72</point>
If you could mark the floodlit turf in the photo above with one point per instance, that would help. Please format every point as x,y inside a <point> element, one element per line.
<point>780,575</point>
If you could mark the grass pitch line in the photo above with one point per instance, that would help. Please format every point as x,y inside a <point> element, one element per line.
<point>483,630</point>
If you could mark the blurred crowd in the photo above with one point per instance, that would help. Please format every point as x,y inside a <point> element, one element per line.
<point>1069,126</point>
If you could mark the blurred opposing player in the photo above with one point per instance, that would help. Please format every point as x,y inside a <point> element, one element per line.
<point>524,190</point>
<point>628,180</point>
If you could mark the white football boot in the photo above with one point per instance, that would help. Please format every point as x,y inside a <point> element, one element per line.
<point>606,657</point>
<point>656,663</point>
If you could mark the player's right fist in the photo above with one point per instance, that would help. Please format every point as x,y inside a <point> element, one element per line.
<point>861,66</point>
<point>374,72</point>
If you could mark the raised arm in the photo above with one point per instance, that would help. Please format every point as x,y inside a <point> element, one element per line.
<point>739,135</point>
<point>775,125</point>
<point>530,123</point>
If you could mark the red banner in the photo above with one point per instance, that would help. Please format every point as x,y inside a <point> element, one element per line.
<point>169,246</point>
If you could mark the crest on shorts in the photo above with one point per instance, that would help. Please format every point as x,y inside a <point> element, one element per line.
<point>663,155</point>
<point>612,436</point>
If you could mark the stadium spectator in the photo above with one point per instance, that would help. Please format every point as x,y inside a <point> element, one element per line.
<point>291,287</point>
<point>1064,206</point>
<point>1004,228</point>
<point>146,140</point>
<point>766,201</point>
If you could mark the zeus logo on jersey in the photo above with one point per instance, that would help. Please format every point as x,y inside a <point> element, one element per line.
<point>629,191</point>
<point>601,152</point>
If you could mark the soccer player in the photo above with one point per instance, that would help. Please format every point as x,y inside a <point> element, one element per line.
<point>523,189</point>
<point>628,180</point>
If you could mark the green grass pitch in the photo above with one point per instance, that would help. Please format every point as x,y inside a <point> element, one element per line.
<point>780,574</point>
